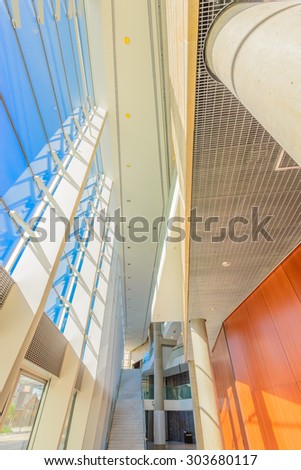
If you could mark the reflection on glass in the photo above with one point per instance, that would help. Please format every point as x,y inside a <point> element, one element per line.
<point>21,414</point>
<point>67,424</point>
<point>178,392</point>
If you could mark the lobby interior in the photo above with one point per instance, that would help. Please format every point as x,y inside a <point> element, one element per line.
<point>150,224</point>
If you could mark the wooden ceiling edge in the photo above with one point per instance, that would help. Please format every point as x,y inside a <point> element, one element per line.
<point>193,18</point>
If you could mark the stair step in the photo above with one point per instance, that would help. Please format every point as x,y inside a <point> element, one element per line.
<point>127,430</point>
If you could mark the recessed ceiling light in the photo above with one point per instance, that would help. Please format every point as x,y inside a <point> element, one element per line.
<point>226,264</point>
<point>171,337</point>
<point>127,40</point>
<point>212,309</point>
<point>127,115</point>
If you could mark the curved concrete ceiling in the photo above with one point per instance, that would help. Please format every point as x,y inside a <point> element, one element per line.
<point>247,191</point>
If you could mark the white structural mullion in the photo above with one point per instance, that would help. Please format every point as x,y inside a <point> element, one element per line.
<point>80,55</point>
<point>92,106</point>
<point>27,229</point>
<point>40,15</point>
<point>69,289</point>
<point>51,200</point>
<point>62,170</point>
<point>57,14</point>
<point>80,130</point>
<point>90,346</point>
<point>82,303</point>
<point>71,9</point>
<point>16,16</point>
<point>94,335</point>
<point>80,5</point>
<point>68,305</point>
<point>94,316</point>
<point>74,151</point>
<point>67,197</point>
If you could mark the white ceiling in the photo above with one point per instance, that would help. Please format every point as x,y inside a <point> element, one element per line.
<point>133,148</point>
<point>234,167</point>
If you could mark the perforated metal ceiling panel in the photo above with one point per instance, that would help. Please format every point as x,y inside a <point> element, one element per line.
<point>6,283</point>
<point>47,347</point>
<point>237,165</point>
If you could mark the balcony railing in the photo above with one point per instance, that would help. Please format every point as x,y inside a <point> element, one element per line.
<point>178,392</point>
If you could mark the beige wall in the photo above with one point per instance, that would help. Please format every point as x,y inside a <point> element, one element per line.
<point>182,35</point>
<point>56,404</point>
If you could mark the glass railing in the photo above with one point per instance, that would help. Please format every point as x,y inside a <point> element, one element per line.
<point>148,392</point>
<point>178,392</point>
<point>176,352</point>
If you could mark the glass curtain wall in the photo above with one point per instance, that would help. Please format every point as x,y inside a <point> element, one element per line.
<point>66,279</point>
<point>21,413</point>
<point>43,89</point>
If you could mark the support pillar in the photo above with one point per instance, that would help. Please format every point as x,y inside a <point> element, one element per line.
<point>159,413</point>
<point>255,50</point>
<point>207,405</point>
<point>150,337</point>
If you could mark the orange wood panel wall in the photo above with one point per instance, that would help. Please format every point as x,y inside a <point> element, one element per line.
<point>257,364</point>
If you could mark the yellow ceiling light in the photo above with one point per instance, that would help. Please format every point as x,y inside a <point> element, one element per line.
<point>127,115</point>
<point>127,40</point>
<point>226,264</point>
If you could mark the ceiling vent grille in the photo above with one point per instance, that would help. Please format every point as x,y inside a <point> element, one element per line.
<point>6,283</point>
<point>234,162</point>
<point>47,348</point>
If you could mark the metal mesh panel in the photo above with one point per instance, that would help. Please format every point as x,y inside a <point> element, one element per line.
<point>234,169</point>
<point>47,347</point>
<point>6,283</point>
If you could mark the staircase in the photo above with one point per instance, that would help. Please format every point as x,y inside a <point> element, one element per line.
<point>127,431</point>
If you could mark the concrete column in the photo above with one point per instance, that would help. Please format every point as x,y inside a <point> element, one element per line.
<point>255,50</point>
<point>159,413</point>
<point>150,337</point>
<point>196,407</point>
<point>208,412</point>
